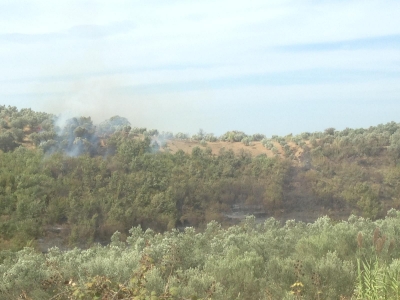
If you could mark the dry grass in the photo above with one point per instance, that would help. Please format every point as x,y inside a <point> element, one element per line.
<point>256,148</point>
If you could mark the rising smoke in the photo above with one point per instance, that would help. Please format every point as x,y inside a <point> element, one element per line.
<point>79,135</point>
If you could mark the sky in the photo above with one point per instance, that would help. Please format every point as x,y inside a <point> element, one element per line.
<point>260,66</point>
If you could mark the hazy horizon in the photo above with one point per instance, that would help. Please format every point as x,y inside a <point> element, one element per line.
<point>275,67</point>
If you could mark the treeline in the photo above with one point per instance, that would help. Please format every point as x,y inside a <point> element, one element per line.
<point>52,133</point>
<point>353,259</point>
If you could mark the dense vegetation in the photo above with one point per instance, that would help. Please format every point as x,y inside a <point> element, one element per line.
<point>122,184</point>
<point>90,181</point>
<point>94,180</point>
<point>354,259</point>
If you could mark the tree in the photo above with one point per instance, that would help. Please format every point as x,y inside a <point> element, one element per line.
<point>330,131</point>
<point>7,141</point>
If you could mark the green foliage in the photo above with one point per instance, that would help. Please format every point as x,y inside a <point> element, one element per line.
<point>322,260</point>
<point>94,196</point>
<point>377,280</point>
<point>93,182</point>
<point>7,141</point>
<point>233,136</point>
<point>113,124</point>
<point>181,136</point>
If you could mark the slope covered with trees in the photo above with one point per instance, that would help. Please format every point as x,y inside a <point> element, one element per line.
<point>81,182</point>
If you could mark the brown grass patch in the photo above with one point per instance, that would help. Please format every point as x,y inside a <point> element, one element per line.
<point>255,148</point>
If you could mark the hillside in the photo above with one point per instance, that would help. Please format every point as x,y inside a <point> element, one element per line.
<point>74,182</point>
<point>255,148</point>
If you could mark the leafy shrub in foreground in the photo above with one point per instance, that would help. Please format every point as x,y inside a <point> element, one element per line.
<point>320,260</point>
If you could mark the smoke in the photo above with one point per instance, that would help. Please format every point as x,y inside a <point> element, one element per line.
<point>112,125</point>
<point>86,113</point>
<point>60,121</point>
<point>75,136</point>
<point>168,107</point>
<point>107,96</point>
<point>91,97</point>
<point>160,140</point>
<point>78,135</point>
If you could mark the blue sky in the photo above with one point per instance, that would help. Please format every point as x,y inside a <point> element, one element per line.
<point>274,67</point>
